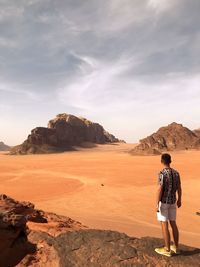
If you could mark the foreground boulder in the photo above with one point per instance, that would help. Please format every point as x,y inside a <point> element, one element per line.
<point>63,133</point>
<point>30,237</point>
<point>172,137</point>
<point>18,222</point>
<point>4,147</point>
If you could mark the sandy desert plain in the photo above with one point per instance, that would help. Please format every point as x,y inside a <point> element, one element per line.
<point>70,184</point>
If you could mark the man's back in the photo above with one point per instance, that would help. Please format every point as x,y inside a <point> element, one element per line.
<point>168,183</point>
<point>170,179</point>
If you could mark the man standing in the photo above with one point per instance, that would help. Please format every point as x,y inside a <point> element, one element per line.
<point>168,184</point>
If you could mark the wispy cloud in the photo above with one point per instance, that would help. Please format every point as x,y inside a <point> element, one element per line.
<point>128,59</point>
<point>12,89</point>
<point>161,6</point>
<point>100,84</point>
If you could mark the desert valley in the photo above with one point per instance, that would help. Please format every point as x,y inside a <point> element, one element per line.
<point>94,96</point>
<point>107,185</point>
<point>104,187</point>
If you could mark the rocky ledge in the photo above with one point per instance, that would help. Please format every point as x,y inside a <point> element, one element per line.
<point>31,237</point>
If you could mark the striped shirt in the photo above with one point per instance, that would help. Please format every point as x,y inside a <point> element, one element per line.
<point>170,180</point>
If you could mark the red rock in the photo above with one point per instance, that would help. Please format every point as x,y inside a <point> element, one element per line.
<point>172,137</point>
<point>197,132</point>
<point>63,133</point>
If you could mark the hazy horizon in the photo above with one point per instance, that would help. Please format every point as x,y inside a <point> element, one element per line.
<point>127,141</point>
<point>132,66</point>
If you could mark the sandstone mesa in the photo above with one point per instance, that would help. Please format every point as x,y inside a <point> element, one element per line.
<point>62,134</point>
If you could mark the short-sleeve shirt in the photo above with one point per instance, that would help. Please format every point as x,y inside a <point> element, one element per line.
<point>170,180</point>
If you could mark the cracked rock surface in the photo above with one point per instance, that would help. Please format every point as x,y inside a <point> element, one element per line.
<point>94,247</point>
<point>104,248</point>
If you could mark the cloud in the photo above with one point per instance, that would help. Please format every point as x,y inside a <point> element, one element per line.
<point>161,5</point>
<point>95,58</point>
<point>12,89</point>
<point>98,84</point>
<point>5,108</point>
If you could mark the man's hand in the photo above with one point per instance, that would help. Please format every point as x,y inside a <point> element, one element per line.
<point>157,208</point>
<point>179,203</point>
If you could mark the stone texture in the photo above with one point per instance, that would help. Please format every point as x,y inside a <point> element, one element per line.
<point>13,233</point>
<point>63,133</point>
<point>103,248</point>
<point>172,137</point>
<point>18,221</point>
<point>197,132</point>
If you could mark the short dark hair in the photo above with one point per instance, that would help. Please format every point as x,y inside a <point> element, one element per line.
<point>166,158</point>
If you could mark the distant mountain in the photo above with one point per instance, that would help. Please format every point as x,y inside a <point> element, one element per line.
<point>63,133</point>
<point>172,137</point>
<point>4,147</point>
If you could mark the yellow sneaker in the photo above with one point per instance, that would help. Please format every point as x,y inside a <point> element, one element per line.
<point>163,251</point>
<point>175,249</point>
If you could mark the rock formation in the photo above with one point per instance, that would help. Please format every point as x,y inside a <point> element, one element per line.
<point>197,132</point>
<point>30,237</point>
<point>63,133</point>
<point>172,137</point>
<point>4,147</point>
<point>20,226</point>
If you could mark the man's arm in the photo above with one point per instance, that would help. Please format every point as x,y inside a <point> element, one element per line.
<point>158,196</point>
<point>179,191</point>
<point>159,190</point>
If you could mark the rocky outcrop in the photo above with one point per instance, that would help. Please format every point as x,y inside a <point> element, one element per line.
<point>13,233</point>
<point>63,133</point>
<point>172,137</point>
<point>18,222</point>
<point>103,248</point>
<point>197,132</point>
<point>30,237</point>
<point>4,147</point>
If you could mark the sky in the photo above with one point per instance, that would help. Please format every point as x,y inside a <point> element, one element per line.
<point>130,65</point>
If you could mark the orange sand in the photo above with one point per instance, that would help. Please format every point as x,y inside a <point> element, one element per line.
<point>70,184</point>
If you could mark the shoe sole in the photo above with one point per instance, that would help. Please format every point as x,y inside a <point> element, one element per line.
<point>164,254</point>
<point>177,253</point>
